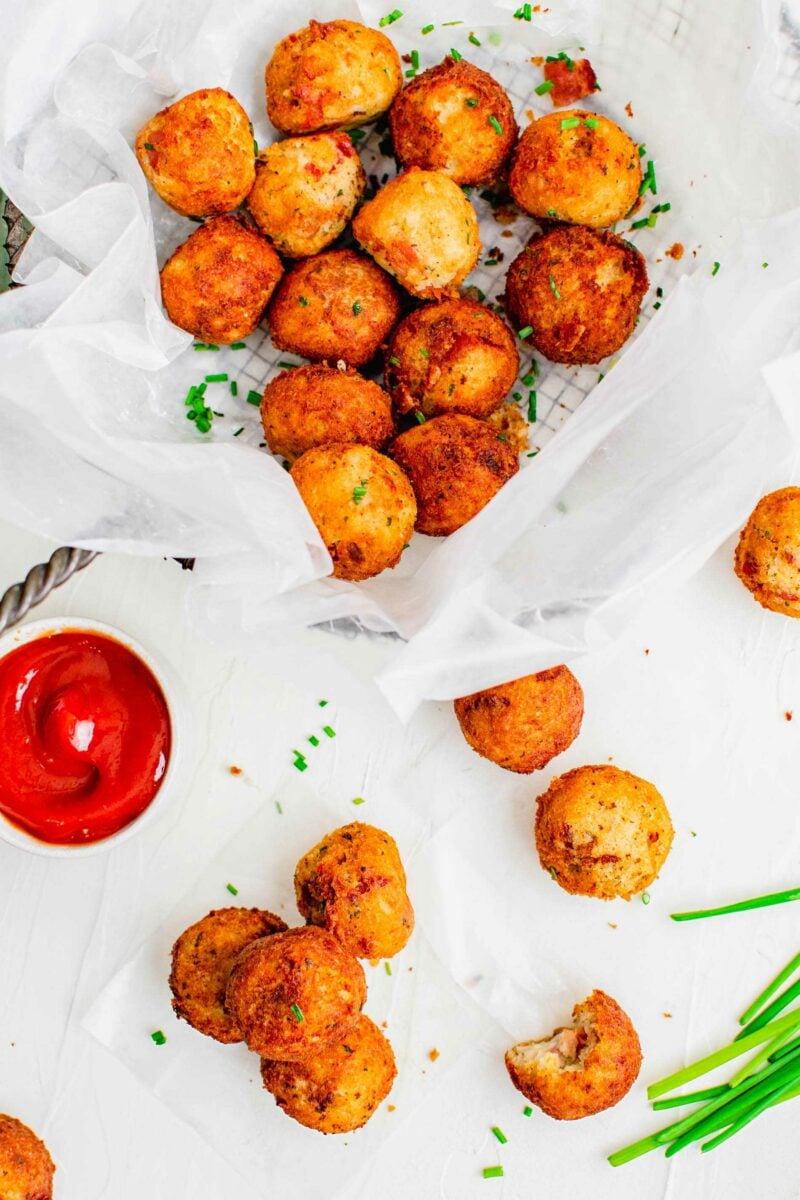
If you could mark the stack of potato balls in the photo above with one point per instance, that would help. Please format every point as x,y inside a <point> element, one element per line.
<point>432,446</point>
<point>294,996</point>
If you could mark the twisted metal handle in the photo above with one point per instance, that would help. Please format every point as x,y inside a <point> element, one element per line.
<point>40,582</point>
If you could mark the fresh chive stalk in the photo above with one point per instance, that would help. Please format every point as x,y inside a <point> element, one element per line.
<point>742,905</point>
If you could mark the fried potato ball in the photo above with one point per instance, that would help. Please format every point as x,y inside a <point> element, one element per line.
<point>338,1090</point>
<point>26,1168</point>
<point>456,356</point>
<point>198,153</point>
<point>454,118</point>
<point>336,306</point>
<point>423,230</point>
<point>202,959</point>
<point>352,883</point>
<point>578,291</point>
<point>361,503</point>
<point>306,191</point>
<point>331,75</point>
<point>602,832</point>
<point>317,404</point>
<point>582,1068</point>
<point>523,724</point>
<point>218,282</point>
<point>456,464</point>
<point>588,173</point>
<point>295,993</point>
<point>768,552</point>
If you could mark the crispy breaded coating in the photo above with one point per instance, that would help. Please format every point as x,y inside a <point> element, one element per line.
<point>26,1168</point>
<point>306,191</point>
<point>456,356</point>
<point>353,884</point>
<point>767,556</point>
<point>521,725</point>
<point>362,504</point>
<point>602,832</point>
<point>422,229</point>
<point>198,153</point>
<point>456,464</point>
<point>338,305</point>
<point>583,1068</point>
<point>578,291</point>
<point>202,959</point>
<point>218,282</point>
<point>454,118</point>
<point>331,75</point>
<point>575,166</point>
<point>295,993</point>
<point>316,405</point>
<point>339,1089</point>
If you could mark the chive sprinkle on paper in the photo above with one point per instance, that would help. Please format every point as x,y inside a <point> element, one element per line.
<point>158,1037</point>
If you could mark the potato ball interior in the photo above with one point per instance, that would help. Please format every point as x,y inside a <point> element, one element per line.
<point>576,166</point>
<point>768,552</point>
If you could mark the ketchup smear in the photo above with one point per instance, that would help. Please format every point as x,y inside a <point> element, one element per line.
<point>84,737</point>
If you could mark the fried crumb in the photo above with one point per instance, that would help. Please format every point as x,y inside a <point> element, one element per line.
<point>788,714</point>
<point>629,110</point>
<point>391,1108</point>
<point>374,962</point>
<point>530,114</point>
<point>666,1014</point>
<point>647,651</point>
<point>611,925</point>
<point>675,251</point>
<point>538,60</point>
<point>506,214</point>
<point>433,1054</point>
<point>235,770</point>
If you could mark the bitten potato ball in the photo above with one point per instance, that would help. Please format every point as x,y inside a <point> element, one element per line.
<point>218,282</point>
<point>456,464</point>
<point>202,959</point>
<point>339,1090</point>
<point>352,883</point>
<point>306,191</point>
<point>331,75</point>
<point>582,1068</point>
<point>578,291</point>
<point>317,404</point>
<point>361,503</point>
<point>523,724</point>
<point>575,166</point>
<point>295,993</point>
<point>423,230</point>
<point>454,118</point>
<point>337,305</point>
<point>768,553</point>
<point>602,832</point>
<point>26,1168</point>
<point>198,153</point>
<point>456,356</point>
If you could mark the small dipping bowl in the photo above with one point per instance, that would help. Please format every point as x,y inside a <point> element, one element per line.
<point>180,729</point>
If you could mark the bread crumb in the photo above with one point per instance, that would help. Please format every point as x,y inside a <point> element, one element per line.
<point>788,714</point>
<point>235,770</point>
<point>675,251</point>
<point>433,1054</point>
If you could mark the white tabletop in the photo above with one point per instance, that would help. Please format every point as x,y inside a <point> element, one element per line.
<point>702,714</point>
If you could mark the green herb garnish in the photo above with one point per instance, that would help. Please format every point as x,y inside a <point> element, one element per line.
<point>390,18</point>
<point>544,88</point>
<point>298,1013</point>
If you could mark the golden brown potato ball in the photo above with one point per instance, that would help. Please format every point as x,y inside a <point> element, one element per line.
<point>26,1168</point>
<point>454,118</point>
<point>331,75</point>
<point>768,552</point>
<point>361,503</point>
<point>318,404</point>
<point>423,230</point>
<point>602,832</point>
<point>202,959</point>
<point>336,306</point>
<point>352,883</point>
<point>455,464</point>
<point>339,1089</point>
<point>575,166</point>
<point>578,291</point>
<point>582,1068</point>
<point>218,282</point>
<point>522,724</point>
<point>198,153</point>
<point>306,191</point>
<point>295,993</point>
<point>456,356</point>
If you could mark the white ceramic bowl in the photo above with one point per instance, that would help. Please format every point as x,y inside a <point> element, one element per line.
<point>180,720</point>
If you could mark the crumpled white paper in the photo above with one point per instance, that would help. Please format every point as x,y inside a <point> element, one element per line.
<point>639,485</point>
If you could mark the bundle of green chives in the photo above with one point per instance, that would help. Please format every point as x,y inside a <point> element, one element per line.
<point>769,1077</point>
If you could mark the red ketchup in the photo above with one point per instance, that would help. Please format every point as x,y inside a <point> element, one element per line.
<point>84,737</point>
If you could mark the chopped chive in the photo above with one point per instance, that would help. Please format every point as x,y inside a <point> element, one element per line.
<point>234,891</point>
<point>158,1037</point>
<point>657,304</point>
<point>359,493</point>
<point>356,308</point>
<point>313,739</point>
<point>149,146</point>
<point>526,332</point>
<point>517,396</point>
<point>473,102</point>
<point>455,55</point>
<point>526,12</point>
<point>238,346</point>
<point>278,807</point>
<point>763,265</point>
<point>303,302</point>
<point>204,346</point>
<point>415,59</point>
<point>532,454</point>
<point>287,366</point>
<point>255,148</point>
<point>475,41</point>
<point>427,29</point>
<point>531,407</point>
<point>642,151</point>
<point>591,122</point>
<point>331,733</point>
<point>300,764</point>
<point>216,378</point>
<point>529,379</point>
<point>358,800</point>
<point>527,1111</point>
<point>448,24</point>
<point>203,425</point>
<point>715,268</point>
<point>234,388</point>
<point>492,1172</point>
<point>742,906</point>
<point>420,417</point>
<point>649,180</point>
<point>498,1133</point>
<point>641,224</point>
<point>298,1012</point>
<point>570,123</point>
<point>323,704</point>
<point>394,360</point>
<point>390,18</point>
<point>253,397</point>
<point>770,990</point>
<point>645,897</point>
<point>387,966</point>
<point>551,212</point>
<point>544,88</point>
<point>496,126</point>
<point>659,292</point>
<point>553,287</point>
<point>425,353</point>
<point>236,432</point>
